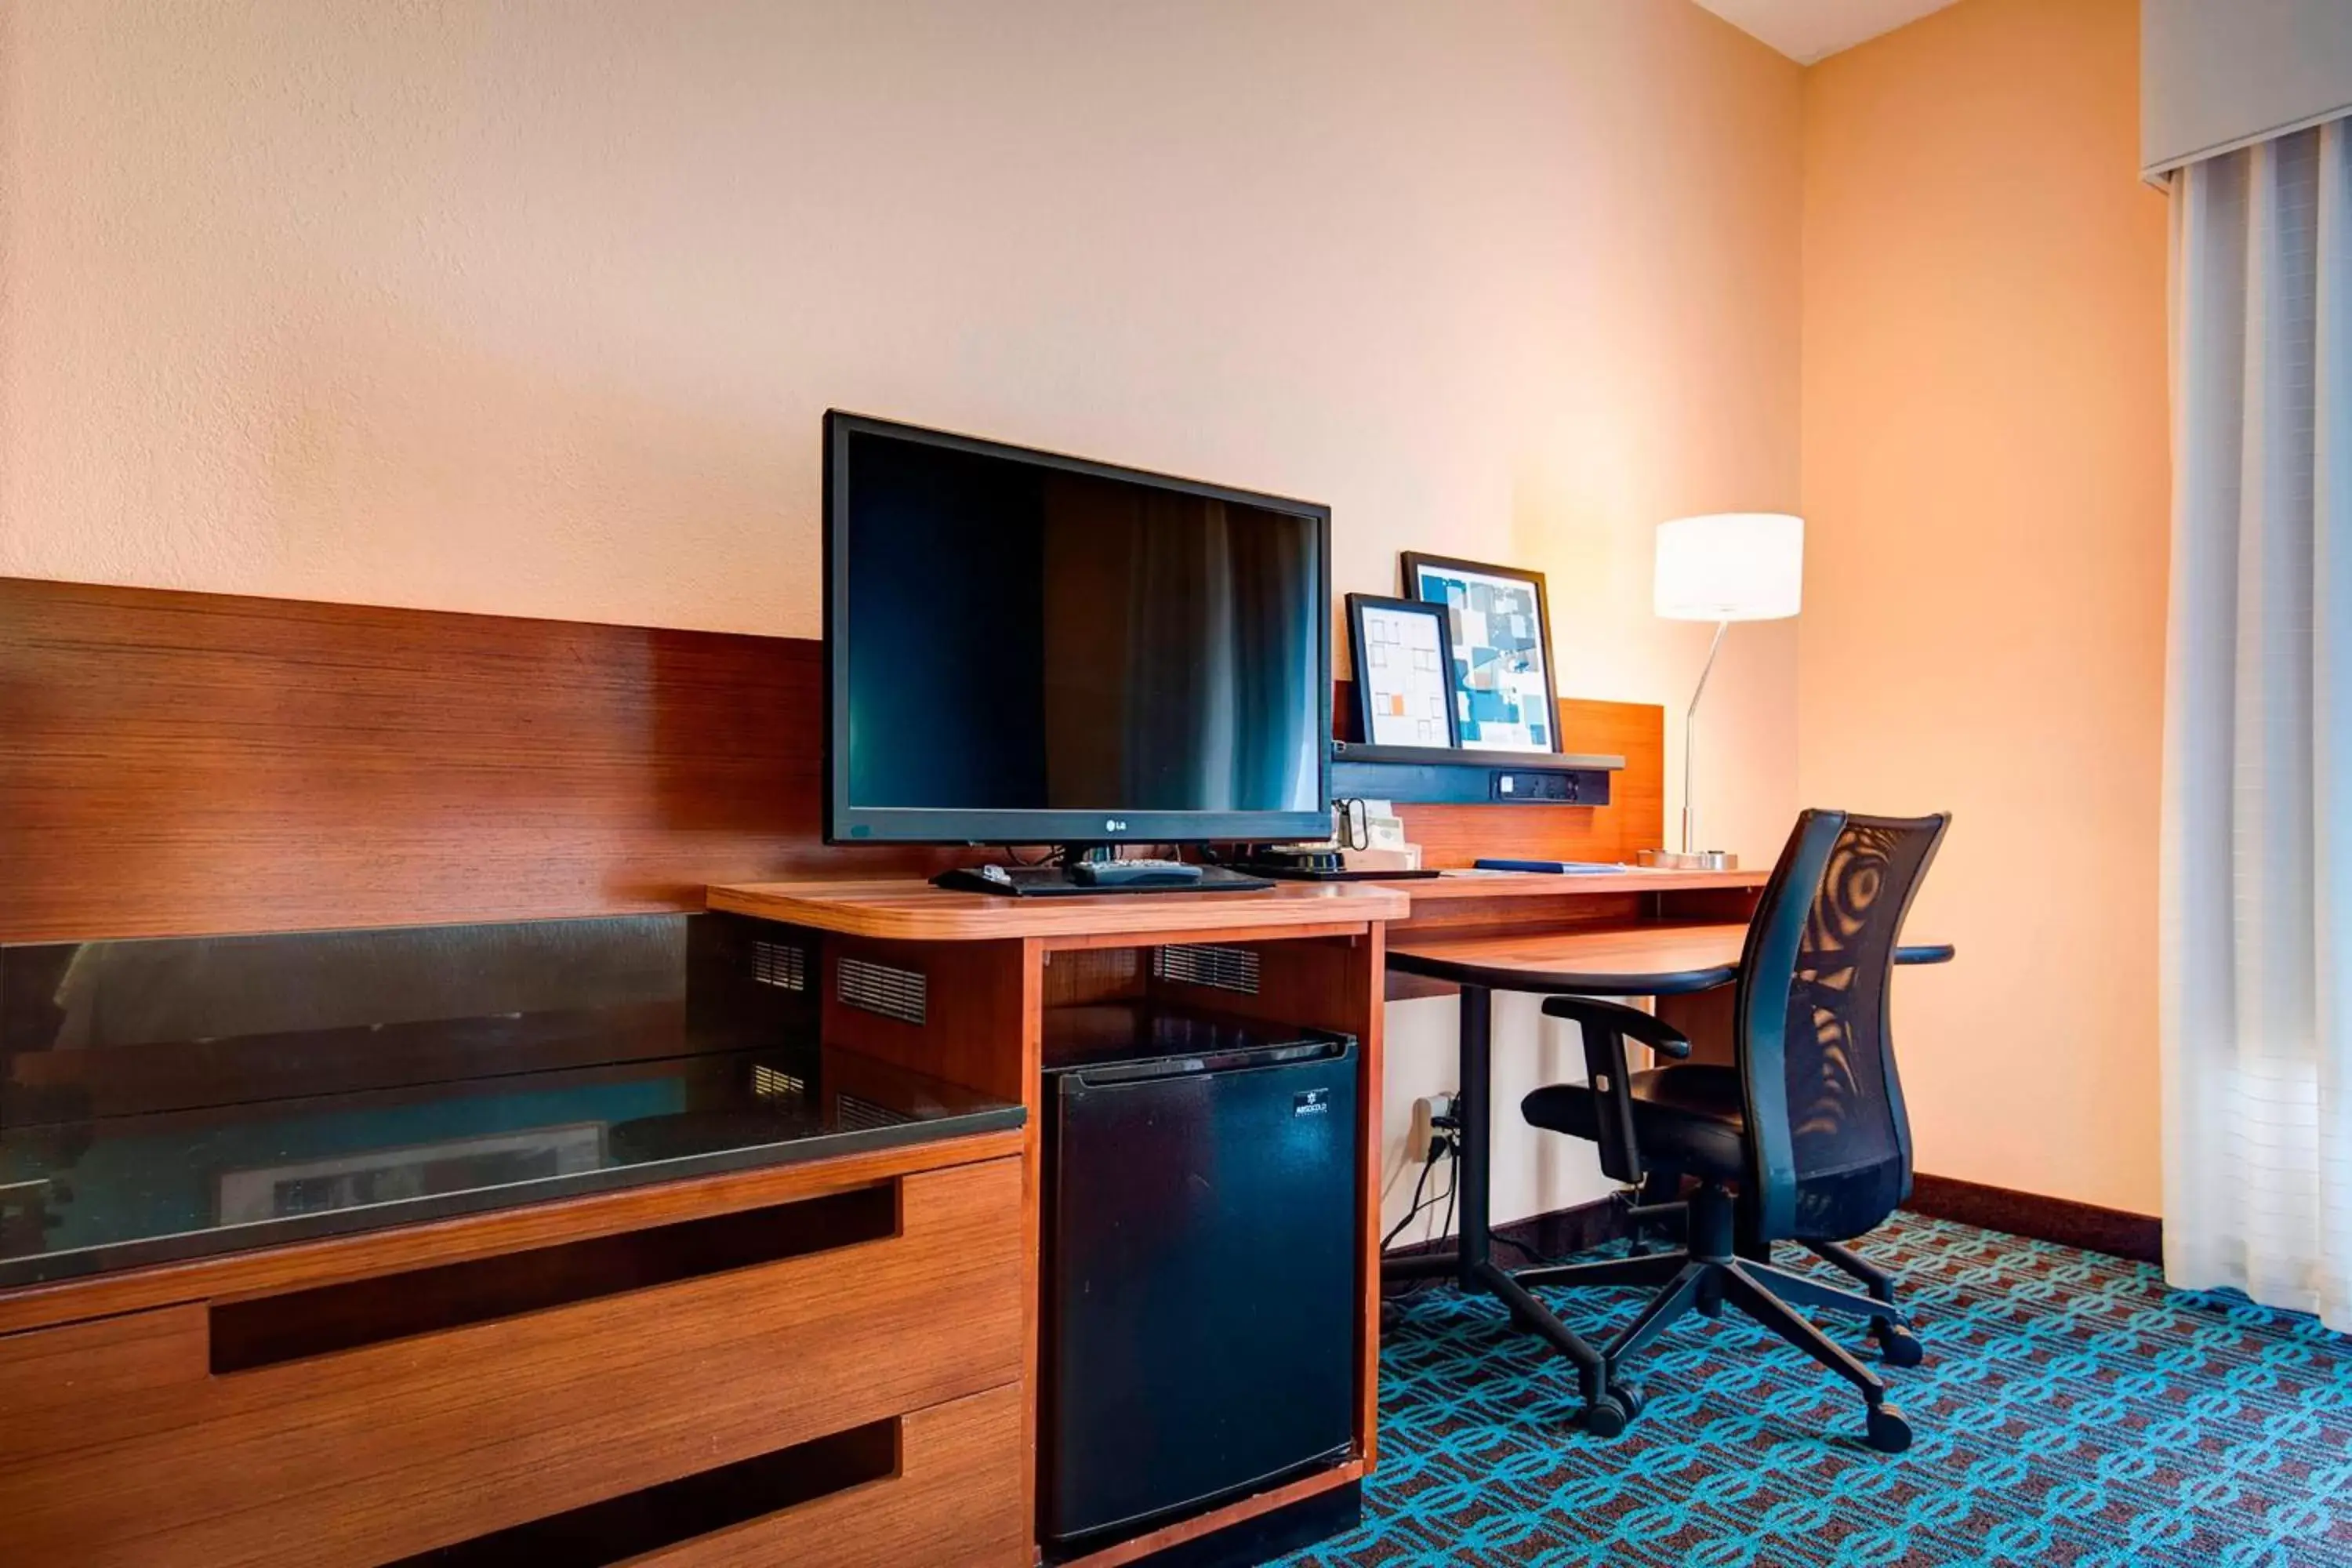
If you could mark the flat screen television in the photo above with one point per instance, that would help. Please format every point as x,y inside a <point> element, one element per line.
<point>1028,648</point>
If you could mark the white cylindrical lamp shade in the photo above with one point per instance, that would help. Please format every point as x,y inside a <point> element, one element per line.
<point>1731,567</point>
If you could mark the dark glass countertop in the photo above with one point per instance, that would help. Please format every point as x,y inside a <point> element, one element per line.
<point>177,1099</point>
<point>87,1197</point>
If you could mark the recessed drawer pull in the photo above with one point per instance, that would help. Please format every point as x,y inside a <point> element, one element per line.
<point>442,1405</point>
<point>270,1330</point>
<point>657,1517</point>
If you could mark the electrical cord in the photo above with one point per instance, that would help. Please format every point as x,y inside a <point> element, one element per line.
<point>1534,1256</point>
<point>1413,1212</point>
<point>1542,1259</point>
<point>1447,1146</point>
<point>1452,1185</point>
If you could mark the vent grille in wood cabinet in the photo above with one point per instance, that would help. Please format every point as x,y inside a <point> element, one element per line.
<point>1219,968</point>
<point>900,993</point>
<point>779,964</point>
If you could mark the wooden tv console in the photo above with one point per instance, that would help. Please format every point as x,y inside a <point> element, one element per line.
<point>895,1366</point>
<point>995,970</point>
<point>833,1361</point>
<point>184,764</point>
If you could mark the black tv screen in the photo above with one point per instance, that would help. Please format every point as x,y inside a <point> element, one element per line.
<point>1027,648</point>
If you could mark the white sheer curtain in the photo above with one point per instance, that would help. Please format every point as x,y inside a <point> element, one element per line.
<point>2257,855</point>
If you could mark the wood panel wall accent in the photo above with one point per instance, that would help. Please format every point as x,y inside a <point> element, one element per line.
<point>194,763</point>
<point>181,764</point>
<point>1634,818</point>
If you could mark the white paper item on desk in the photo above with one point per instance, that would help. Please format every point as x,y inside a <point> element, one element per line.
<point>1383,829</point>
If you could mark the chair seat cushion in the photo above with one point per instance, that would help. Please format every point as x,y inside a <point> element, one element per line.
<point>1689,1117</point>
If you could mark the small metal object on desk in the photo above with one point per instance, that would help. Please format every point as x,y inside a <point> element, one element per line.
<point>1689,859</point>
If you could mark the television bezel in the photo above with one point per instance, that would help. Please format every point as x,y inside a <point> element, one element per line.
<point>845,823</point>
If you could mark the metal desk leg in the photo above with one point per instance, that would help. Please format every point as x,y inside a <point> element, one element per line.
<point>1480,1273</point>
<point>1473,1108</point>
<point>1469,1257</point>
<point>1471,1261</point>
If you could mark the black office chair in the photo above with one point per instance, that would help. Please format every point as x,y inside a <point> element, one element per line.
<point>1802,1140</point>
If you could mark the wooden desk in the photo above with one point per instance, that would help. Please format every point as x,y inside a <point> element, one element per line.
<point>1518,903</point>
<point>991,969</point>
<point>1663,957</point>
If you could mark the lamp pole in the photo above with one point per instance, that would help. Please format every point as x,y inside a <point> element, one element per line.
<point>1690,740</point>
<point>1723,567</point>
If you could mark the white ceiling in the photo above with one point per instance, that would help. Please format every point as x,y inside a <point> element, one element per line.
<point>1805,30</point>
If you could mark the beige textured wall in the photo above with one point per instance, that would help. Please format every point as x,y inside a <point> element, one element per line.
<point>531,306</point>
<point>1985,488</point>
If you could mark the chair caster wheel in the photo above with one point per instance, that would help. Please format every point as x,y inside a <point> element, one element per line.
<point>1609,1416</point>
<point>1896,1348</point>
<point>1888,1431</point>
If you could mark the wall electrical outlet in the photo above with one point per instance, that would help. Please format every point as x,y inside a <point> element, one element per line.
<point>1425,1113</point>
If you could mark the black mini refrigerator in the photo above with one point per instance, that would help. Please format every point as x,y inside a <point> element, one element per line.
<point>1200,1221</point>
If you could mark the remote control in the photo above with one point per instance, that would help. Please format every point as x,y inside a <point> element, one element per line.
<point>1133,873</point>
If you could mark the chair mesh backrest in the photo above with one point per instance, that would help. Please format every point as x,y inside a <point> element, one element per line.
<point>1829,1141</point>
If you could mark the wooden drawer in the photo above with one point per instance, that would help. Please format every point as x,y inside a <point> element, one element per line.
<point>123,1441</point>
<point>955,1502</point>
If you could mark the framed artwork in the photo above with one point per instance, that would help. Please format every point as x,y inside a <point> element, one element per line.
<point>1405,671</point>
<point>1499,631</point>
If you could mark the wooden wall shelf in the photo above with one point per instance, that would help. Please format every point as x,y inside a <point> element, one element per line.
<point>1470,757</point>
<point>1454,776</point>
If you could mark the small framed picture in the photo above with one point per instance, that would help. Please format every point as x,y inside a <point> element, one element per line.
<point>1498,634</point>
<point>1404,678</point>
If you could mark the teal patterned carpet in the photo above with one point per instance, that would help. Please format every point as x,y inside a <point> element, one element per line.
<point>2071,1411</point>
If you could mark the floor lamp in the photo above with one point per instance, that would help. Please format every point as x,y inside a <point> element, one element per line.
<point>1723,567</point>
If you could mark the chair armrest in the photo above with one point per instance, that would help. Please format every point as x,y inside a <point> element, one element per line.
<point>1648,1027</point>
<point>1605,1025</point>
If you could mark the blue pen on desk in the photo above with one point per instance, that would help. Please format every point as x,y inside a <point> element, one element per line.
<point>1562,868</point>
